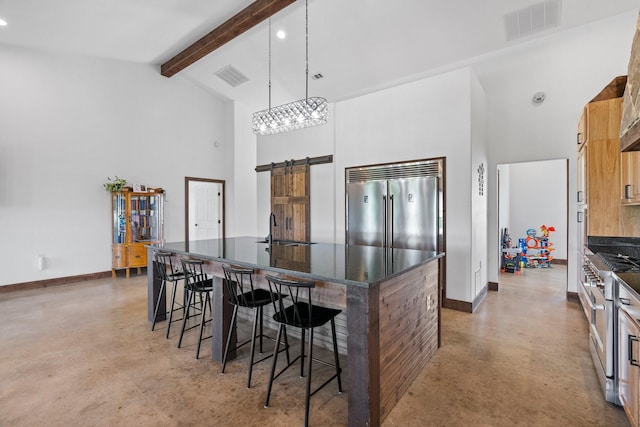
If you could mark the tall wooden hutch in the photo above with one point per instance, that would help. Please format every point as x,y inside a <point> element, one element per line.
<point>136,221</point>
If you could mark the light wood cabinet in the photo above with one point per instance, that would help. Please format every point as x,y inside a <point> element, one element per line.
<point>600,172</point>
<point>630,177</point>
<point>290,202</point>
<point>136,221</point>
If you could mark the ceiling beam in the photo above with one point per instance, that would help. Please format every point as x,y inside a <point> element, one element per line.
<point>248,18</point>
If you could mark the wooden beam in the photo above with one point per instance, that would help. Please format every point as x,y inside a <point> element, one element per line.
<point>248,18</point>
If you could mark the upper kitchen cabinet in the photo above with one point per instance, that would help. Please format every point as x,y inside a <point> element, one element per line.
<point>290,203</point>
<point>599,158</point>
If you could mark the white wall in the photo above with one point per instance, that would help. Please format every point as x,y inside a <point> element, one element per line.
<point>242,193</point>
<point>478,188</point>
<point>504,214</point>
<point>538,196</point>
<point>571,67</point>
<point>69,122</point>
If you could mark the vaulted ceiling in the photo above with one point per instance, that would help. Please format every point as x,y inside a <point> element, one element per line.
<point>357,45</point>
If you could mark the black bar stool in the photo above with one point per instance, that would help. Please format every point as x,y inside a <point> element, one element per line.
<point>304,315</point>
<point>242,293</point>
<point>167,273</point>
<point>196,283</point>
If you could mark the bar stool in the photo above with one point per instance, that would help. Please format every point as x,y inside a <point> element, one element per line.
<point>196,283</point>
<point>242,293</point>
<point>167,273</point>
<point>304,315</point>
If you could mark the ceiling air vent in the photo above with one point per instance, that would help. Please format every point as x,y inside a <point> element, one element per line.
<point>533,19</point>
<point>231,76</point>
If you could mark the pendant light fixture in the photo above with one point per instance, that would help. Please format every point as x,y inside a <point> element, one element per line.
<point>294,115</point>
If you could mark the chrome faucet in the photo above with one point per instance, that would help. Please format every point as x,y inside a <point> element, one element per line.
<point>272,223</point>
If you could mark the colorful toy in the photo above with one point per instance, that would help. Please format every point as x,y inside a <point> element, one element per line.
<point>536,250</point>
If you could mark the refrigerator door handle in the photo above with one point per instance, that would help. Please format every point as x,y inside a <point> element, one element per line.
<point>384,221</point>
<point>390,223</point>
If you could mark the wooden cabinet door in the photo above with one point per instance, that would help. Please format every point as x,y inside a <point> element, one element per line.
<point>137,256</point>
<point>603,120</point>
<point>582,177</point>
<point>119,256</point>
<point>603,187</point>
<point>582,129</point>
<point>290,202</point>
<point>628,372</point>
<point>630,177</point>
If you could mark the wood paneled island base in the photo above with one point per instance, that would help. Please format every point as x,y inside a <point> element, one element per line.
<point>390,298</point>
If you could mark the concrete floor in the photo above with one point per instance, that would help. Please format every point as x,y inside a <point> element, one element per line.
<point>83,354</point>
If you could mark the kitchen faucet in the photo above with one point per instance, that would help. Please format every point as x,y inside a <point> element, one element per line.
<point>272,223</point>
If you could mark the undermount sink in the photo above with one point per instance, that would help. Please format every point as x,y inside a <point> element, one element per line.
<point>287,242</point>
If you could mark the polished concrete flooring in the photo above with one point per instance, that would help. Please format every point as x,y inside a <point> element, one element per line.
<point>83,355</point>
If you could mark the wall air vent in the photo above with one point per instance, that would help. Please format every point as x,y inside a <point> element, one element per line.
<point>533,19</point>
<point>231,75</point>
<point>395,171</point>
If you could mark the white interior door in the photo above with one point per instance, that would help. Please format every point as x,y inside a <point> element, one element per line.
<point>205,210</point>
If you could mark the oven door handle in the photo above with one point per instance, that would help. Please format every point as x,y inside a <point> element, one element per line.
<point>592,305</point>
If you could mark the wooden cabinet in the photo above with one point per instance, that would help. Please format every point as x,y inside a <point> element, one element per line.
<point>600,155</point>
<point>290,202</point>
<point>600,172</point>
<point>629,354</point>
<point>136,221</point>
<point>630,177</point>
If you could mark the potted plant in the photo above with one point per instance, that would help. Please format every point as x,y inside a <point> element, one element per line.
<point>115,184</point>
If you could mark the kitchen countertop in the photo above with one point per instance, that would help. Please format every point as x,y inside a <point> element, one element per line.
<point>631,280</point>
<point>332,262</point>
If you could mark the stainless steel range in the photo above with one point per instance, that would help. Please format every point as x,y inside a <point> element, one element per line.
<point>598,294</point>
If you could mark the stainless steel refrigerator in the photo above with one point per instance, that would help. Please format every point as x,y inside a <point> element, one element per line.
<point>394,206</point>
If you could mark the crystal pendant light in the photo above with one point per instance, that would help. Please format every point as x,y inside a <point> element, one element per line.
<point>294,115</point>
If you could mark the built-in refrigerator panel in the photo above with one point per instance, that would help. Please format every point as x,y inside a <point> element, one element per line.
<point>366,207</point>
<point>412,213</point>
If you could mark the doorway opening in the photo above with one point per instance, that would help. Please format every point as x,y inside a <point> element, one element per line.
<point>204,208</point>
<point>532,200</point>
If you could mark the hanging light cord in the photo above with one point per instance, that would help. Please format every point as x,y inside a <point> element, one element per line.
<point>269,62</point>
<point>306,25</point>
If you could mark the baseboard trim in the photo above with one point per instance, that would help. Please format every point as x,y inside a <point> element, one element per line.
<point>573,296</point>
<point>464,306</point>
<point>457,305</point>
<point>37,284</point>
<point>559,261</point>
<point>479,298</point>
<point>493,286</point>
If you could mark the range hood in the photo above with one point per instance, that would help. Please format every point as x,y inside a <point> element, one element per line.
<point>630,125</point>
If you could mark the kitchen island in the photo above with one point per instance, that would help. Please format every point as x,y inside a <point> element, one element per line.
<point>389,299</point>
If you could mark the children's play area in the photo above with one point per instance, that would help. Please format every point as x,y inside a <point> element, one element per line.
<point>532,251</point>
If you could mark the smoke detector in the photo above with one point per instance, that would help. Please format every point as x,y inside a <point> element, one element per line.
<point>538,97</point>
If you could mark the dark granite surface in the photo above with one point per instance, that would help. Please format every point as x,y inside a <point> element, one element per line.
<point>340,263</point>
<point>615,245</point>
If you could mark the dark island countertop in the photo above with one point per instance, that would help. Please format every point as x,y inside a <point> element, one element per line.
<point>331,262</point>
